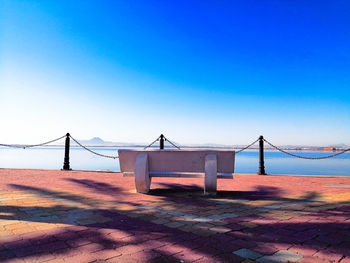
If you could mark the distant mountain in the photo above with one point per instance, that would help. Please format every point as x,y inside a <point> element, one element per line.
<point>95,140</point>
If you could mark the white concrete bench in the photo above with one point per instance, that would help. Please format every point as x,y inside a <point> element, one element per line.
<point>145,164</point>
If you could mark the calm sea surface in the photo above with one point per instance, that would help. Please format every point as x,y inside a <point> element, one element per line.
<point>246,162</point>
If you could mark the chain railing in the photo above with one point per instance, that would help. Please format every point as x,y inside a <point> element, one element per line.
<point>304,157</point>
<point>151,143</point>
<point>31,145</point>
<point>96,153</point>
<point>250,145</point>
<point>162,139</point>
<point>173,144</point>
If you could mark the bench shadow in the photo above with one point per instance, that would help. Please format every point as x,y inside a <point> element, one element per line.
<point>260,193</point>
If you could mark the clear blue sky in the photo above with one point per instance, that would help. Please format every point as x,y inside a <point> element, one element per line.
<point>197,71</point>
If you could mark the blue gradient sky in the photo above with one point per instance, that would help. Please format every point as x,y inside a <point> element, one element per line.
<point>197,71</point>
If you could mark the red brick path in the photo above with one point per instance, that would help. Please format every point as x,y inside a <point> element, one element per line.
<point>60,216</point>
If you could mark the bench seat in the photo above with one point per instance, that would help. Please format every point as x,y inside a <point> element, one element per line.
<point>207,164</point>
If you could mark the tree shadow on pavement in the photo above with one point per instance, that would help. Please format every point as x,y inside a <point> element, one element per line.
<point>194,227</point>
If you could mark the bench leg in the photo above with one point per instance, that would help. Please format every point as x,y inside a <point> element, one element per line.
<point>210,178</point>
<point>142,178</point>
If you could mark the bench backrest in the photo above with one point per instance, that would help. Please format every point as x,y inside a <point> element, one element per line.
<point>177,160</point>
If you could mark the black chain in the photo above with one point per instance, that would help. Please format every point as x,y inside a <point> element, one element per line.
<point>151,143</point>
<point>99,154</point>
<point>32,145</point>
<point>245,148</point>
<point>303,157</point>
<point>173,144</point>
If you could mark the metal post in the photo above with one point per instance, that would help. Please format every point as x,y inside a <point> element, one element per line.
<point>66,154</point>
<point>161,142</point>
<point>261,170</point>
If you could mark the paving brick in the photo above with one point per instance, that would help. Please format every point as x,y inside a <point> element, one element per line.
<point>281,256</point>
<point>128,249</point>
<point>310,259</point>
<point>151,244</point>
<point>170,249</point>
<point>106,254</point>
<point>174,224</point>
<point>285,221</point>
<point>85,257</point>
<point>303,250</point>
<point>328,255</point>
<point>265,249</point>
<point>228,257</point>
<point>187,255</point>
<point>243,243</point>
<point>40,258</point>
<point>209,259</point>
<point>345,260</point>
<point>247,253</point>
<point>53,246</point>
<point>140,257</point>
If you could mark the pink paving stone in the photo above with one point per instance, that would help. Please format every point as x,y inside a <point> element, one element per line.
<point>84,257</point>
<point>129,249</point>
<point>151,244</point>
<point>89,248</point>
<point>228,257</point>
<point>243,243</point>
<point>346,260</point>
<point>309,259</point>
<point>40,258</point>
<point>78,242</point>
<point>42,240</point>
<point>119,235</point>
<point>328,255</point>
<point>191,244</point>
<point>170,249</point>
<point>303,250</point>
<point>50,247</point>
<point>142,256</point>
<point>31,235</point>
<point>242,234</point>
<point>114,188</point>
<point>241,219</point>
<point>188,255</point>
<point>106,254</point>
<point>281,246</point>
<point>265,249</point>
<point>67,252</point>
<point>318,245</point>
<point>263,221</point>
<point>208,259</point>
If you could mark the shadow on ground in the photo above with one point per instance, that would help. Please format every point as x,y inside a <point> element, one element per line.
<point>126,229</point>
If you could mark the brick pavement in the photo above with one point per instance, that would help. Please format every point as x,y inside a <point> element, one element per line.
<point>71,216</point>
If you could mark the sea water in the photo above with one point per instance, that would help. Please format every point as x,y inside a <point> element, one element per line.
<point>246,161</point>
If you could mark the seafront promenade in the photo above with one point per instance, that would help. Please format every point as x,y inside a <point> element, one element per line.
<point>74,216</point>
